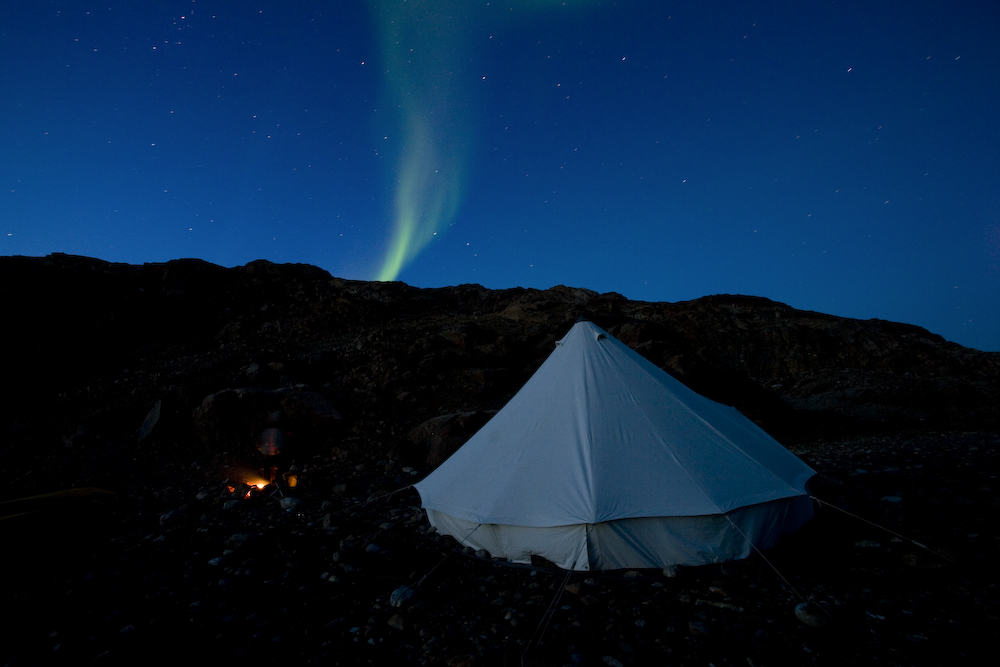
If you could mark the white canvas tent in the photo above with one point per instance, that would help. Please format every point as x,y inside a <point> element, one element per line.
<point>604,461</point>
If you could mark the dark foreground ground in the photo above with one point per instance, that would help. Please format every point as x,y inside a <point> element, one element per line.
<point>159,383</point>
<point>168,569</point>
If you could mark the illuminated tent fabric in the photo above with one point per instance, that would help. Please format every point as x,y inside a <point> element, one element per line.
<point>604,461</point>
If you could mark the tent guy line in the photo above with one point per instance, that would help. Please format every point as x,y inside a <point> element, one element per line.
<point>888,530</point>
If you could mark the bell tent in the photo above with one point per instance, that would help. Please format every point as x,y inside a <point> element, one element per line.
<point>604,461</point>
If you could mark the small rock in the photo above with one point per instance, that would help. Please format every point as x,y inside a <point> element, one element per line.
<point>396,621</point>
<point>671,571</point>
<point>573,588</point>
<point>170,518</point>
<point>149,423</point>
<point>229,504</point>
<point>612,662</point>
<point>237,540</point>
<point>811,614</point>
<point>715,603</point>
<point>288,503</point>
<point>892,499</point>
<point>401,595</point>
<point>697,628</point>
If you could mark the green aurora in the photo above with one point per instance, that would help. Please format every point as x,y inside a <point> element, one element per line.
<point>426,48</point>
<point>421,44</point>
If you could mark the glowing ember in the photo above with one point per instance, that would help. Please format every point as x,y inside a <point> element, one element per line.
<point>253,484</point>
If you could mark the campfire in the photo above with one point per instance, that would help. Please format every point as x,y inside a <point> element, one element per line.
<point>253,485</point>
<point>248,488</point>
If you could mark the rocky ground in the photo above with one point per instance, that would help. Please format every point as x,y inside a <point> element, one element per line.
<point>152,389</point>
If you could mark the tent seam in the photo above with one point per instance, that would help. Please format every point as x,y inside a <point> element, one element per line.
<point>645,416</point>
<point>690,411</point>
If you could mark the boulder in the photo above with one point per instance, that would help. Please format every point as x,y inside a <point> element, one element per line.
<point>249,418</point>
<point>436,439</point>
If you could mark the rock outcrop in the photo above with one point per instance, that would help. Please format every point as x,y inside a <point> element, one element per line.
<point>181,387</point>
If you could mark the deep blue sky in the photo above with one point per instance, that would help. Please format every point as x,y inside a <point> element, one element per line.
<point>836,156</point>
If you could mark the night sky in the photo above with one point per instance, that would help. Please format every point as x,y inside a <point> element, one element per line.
<point>835,156</point>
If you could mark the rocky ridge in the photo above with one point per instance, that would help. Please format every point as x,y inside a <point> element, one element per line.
<point>162,383</point>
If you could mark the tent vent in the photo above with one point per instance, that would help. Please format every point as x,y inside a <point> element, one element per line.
<point>601,336</point>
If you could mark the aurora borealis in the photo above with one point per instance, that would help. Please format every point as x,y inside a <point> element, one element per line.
<point>422,45</point>
<point>835,156</point>
<point>426,48</point>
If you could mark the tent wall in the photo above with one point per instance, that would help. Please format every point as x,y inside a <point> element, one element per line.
<point>653,542</point>
<point>566,546</point>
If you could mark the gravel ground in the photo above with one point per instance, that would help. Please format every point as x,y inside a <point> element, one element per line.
<point>180,565</point>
